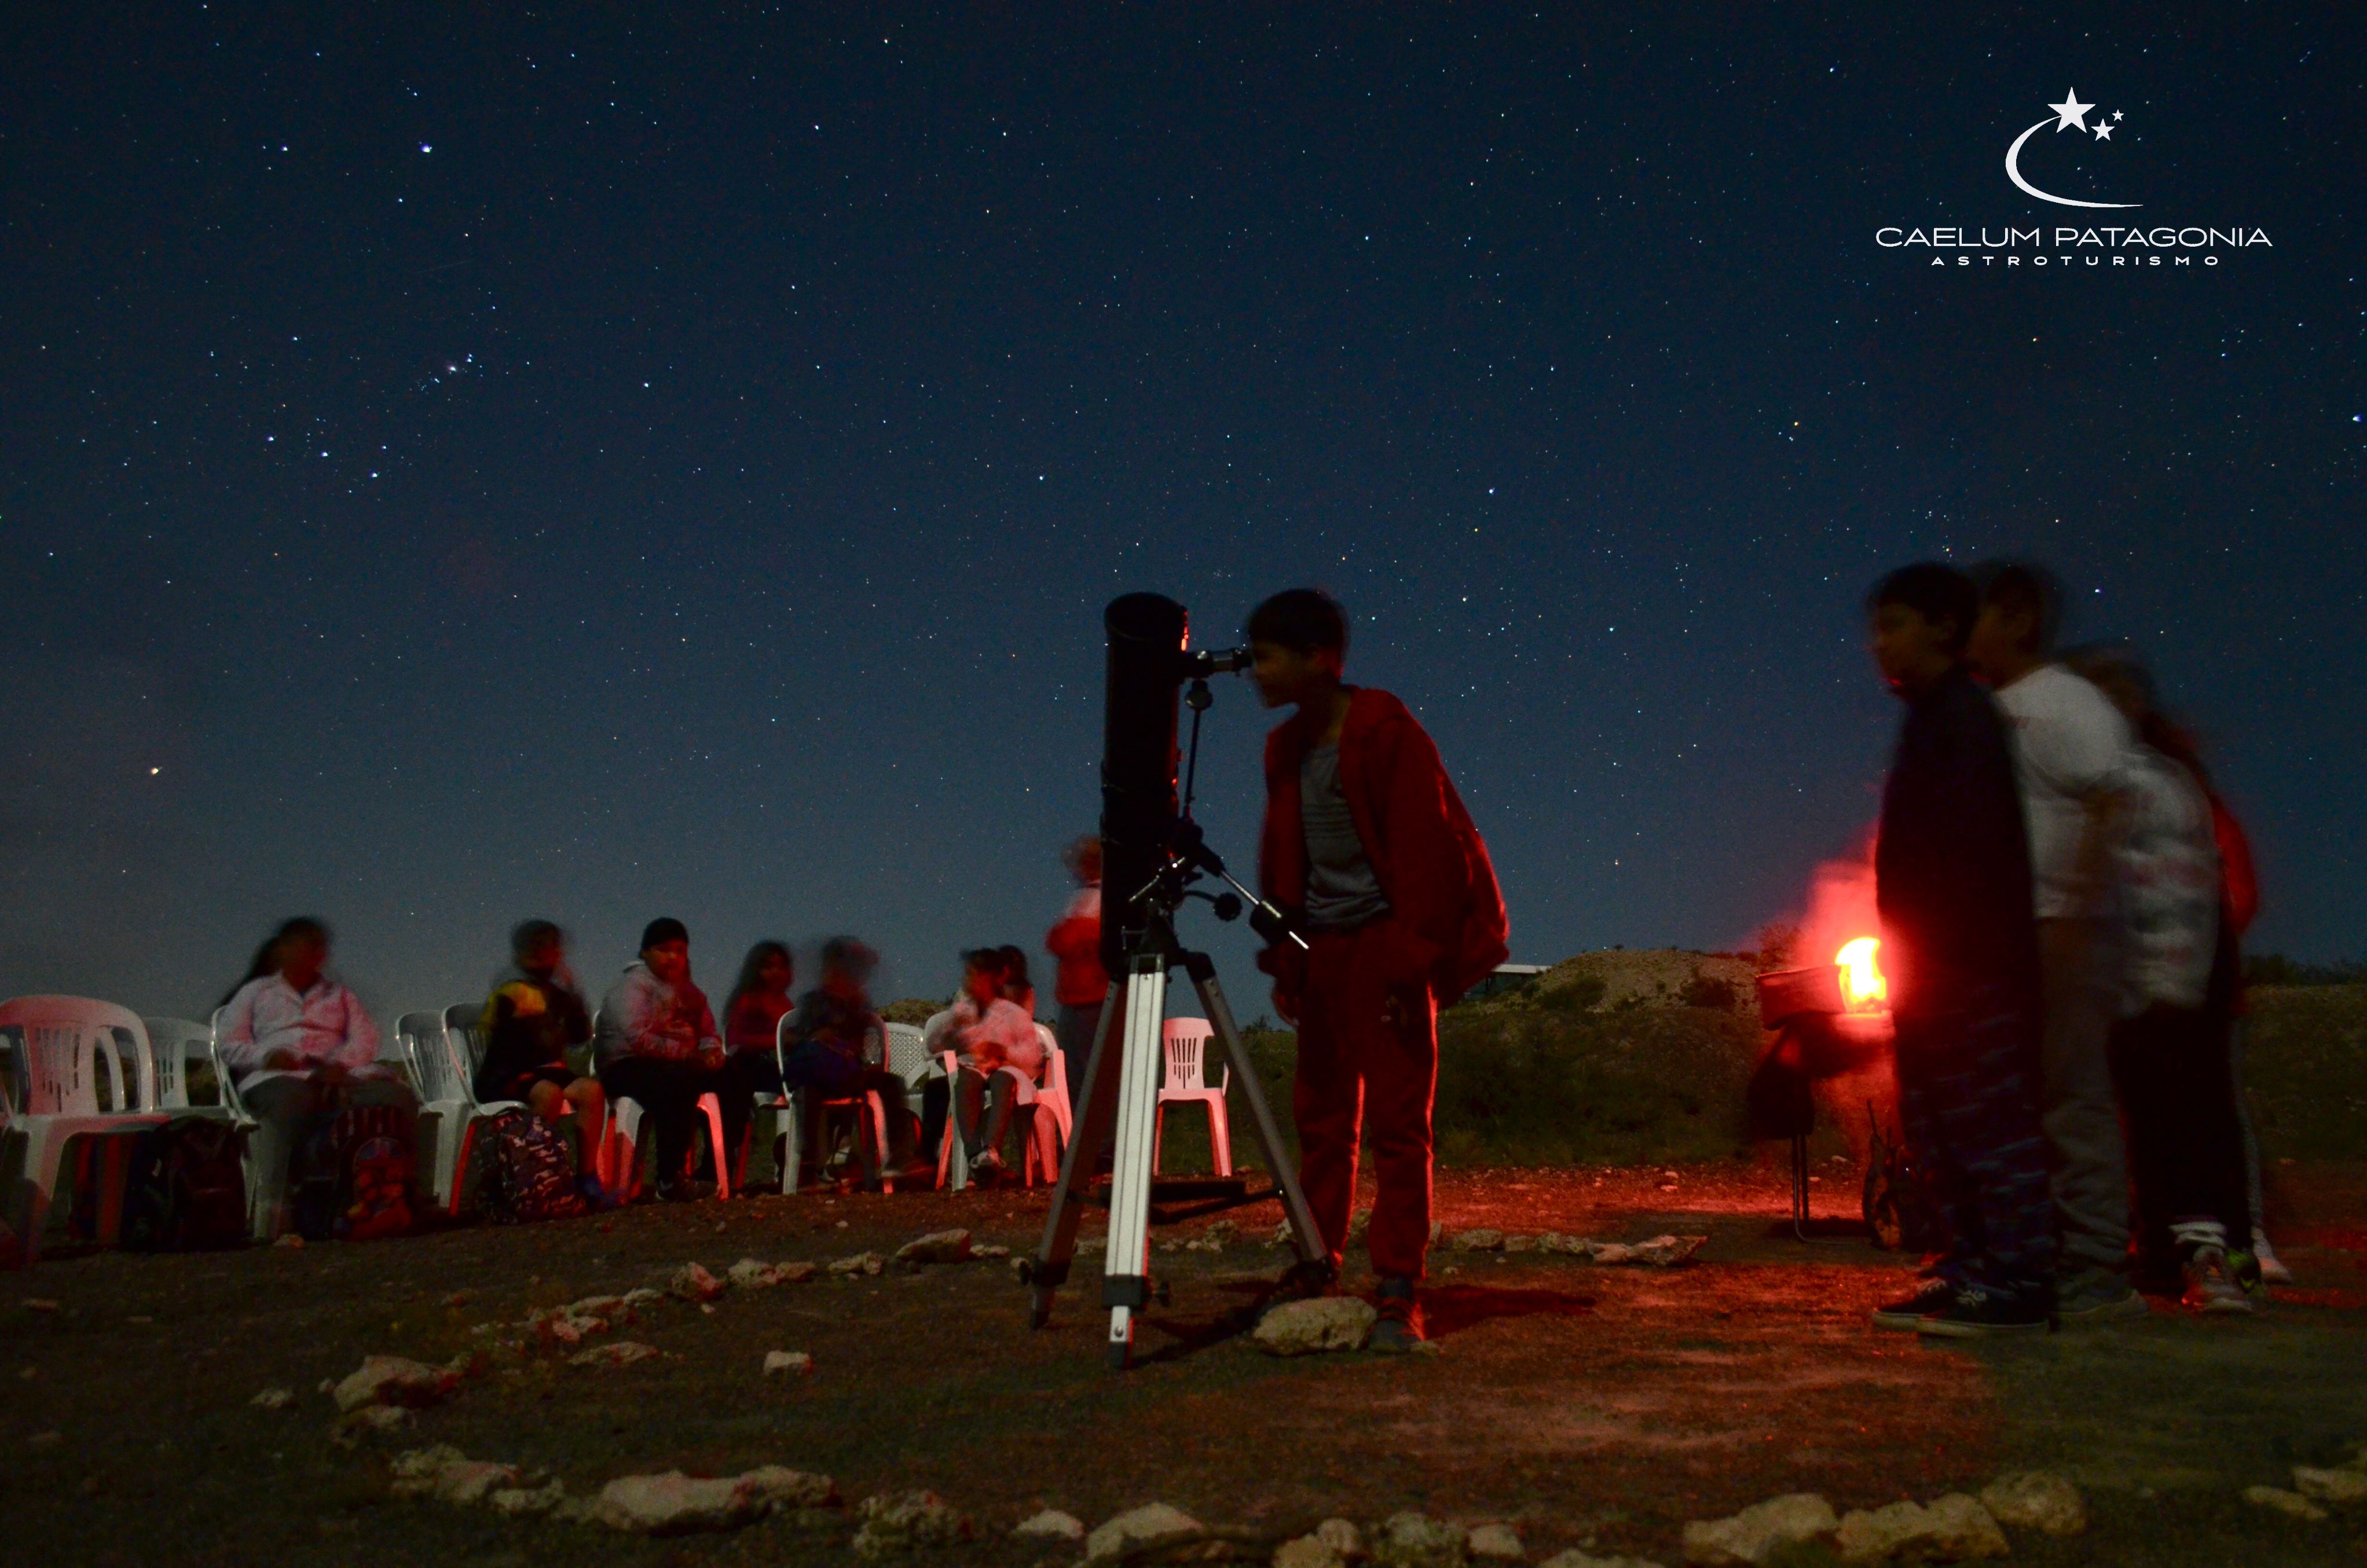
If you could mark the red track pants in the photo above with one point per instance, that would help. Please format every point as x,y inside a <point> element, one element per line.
<point>1357,1054</point>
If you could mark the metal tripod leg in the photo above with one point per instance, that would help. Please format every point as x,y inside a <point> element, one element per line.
<point>1096,1118</point>
<point>1126,1273</point>
<point>1312,1252</point>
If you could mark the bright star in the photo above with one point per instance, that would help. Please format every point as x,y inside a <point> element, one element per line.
<point>2070,112</point>
<point>2105,131</point>
<point>2116,114</point>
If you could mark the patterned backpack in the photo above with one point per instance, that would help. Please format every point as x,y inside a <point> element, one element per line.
<point>532,1173</point>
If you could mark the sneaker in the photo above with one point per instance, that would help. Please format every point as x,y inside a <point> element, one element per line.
<point>2211,1284</point>
<point>596,1197</point>
<point>1976,1311</point>
<point>1903,1316</point>
<point>684,1192</point>
<point>1399,1328</point>
<point>2099,1299</point>
<point>2272,1267</point>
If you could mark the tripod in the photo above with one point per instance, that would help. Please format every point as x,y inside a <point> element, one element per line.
<point>1121,1098</point>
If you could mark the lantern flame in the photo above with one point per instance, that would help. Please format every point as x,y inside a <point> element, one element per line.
<point>1863,985</point>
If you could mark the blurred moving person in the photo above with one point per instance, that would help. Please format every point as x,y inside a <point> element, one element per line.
<point>300,1046</point>
<point>2171,1049</point>
<point>533,1016</point>
<point>760,998</point>
<point>1080,984</point>
<point>1959,947</point>
<point>656,1044</point>
<point>2070,747</point>
<point>840,1050</point>
<point>1368,844</point>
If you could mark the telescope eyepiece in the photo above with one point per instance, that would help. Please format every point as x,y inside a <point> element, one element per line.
<point>1217,661</point>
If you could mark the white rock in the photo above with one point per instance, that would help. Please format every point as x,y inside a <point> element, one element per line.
<point>777,1486</point>
<point>674,1503</point>
<point>693,1283</point>
<point>370,1420</point>
<point>1479,1241</point>
<point>1342,1536</point>
<point>861,1263</point>
<point>900,1523</point>
<point>1954,1528</point>
<point>671,1502</point>
<point>598,1307</point>
<point>1307,1551</point>
<point>623,1353</point>
<point>751,1273</point>
<point>1754,1535</point>
<point>471,1482</point>
<point>796,1363</point>
<point>1145,1529</point>
<point>1665,1252</point>
<point>2343,1487</point>
<point>1304,1328</point>
<point>938,1247</point>
<point>2283,1502</point>
<point>1495,1543</point>
<point>2036,1500</point>
<point>274,1399</point>
<point>416,1471</point>
<point>520,1502</point>
<point>394,1380</point>
<point>985,1250</point>
<point>643,1296</point>
<point>1521,1243</point>
<point>1050,1524</point>
<point>1416,1540</point>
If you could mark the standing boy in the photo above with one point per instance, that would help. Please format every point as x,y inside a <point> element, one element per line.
<point>1952,881</point>
<point>2071,746</point>
<point>1367,845</point>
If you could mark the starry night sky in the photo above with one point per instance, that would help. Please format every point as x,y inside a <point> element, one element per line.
<point>458,465</point>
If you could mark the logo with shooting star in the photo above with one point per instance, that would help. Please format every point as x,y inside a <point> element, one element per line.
<point>2069,115</point>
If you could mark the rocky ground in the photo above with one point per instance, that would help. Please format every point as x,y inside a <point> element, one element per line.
<point>1583,1404</point>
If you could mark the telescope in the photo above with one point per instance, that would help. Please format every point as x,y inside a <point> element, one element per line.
<point>1153,856</point>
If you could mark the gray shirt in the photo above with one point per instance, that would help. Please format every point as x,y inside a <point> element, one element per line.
<point>1343,893</point>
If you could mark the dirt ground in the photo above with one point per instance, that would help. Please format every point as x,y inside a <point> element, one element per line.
<point>1588,1405</point>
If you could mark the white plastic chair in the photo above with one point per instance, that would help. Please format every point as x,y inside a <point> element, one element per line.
<point>267,1202</point>
<point>1186,1044</point>
<point>62,1046</point>
<point>443,1072</point>
<point>171,1042</point>
<point>620,1154</point>
<point>802,1106</point>
<point>1054,1117</point>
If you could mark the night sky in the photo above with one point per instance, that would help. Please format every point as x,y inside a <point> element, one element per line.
<point>462,466</point>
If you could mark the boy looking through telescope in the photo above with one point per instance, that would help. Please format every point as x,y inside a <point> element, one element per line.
<point>1368,848</point>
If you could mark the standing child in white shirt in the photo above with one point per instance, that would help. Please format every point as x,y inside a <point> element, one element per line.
<point>2070,750</point>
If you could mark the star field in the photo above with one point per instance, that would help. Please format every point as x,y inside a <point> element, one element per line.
<point>460,466</point>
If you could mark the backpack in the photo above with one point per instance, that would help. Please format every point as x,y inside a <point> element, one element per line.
<point>187,1189</point>
<point>532,1173</point>
<point>351,1176</point>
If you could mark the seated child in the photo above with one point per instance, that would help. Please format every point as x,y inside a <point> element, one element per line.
<point>534,1014</point>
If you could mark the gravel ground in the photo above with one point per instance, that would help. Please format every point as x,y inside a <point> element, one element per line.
<point>1582,1403</point>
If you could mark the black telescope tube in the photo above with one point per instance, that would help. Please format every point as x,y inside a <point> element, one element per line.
<point>1147,635</point>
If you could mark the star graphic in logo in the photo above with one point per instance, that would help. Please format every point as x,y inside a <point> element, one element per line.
<point>2070,112</point>
<point>2105,131</point>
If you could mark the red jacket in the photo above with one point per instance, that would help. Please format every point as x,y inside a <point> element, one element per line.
<point>1446,911</point>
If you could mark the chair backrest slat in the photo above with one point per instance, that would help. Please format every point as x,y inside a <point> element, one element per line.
<point>66,1043</point>
<point>429,1053</point>
<point>1185,1038</point>
<point>222,1075</point>
<point>171,1041</point>
<point>908,1052</point>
